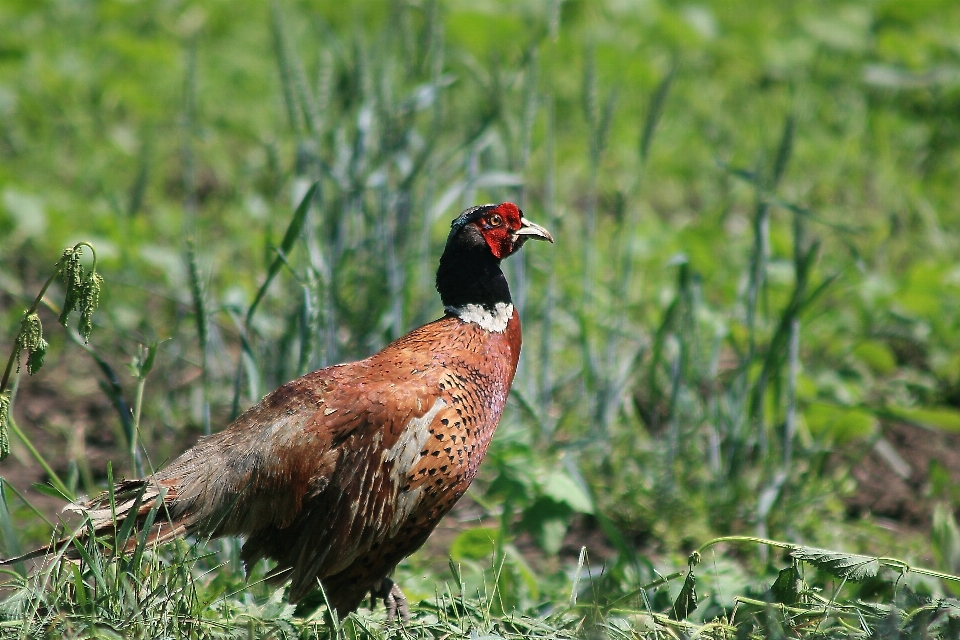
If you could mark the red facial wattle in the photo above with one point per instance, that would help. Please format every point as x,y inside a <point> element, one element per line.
<point>500,237</point>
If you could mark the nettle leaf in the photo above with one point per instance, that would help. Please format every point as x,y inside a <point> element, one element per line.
<point>561,488</point>
<point>475,544</point>
<point>942,418</point>
<point>786,589</point>
<point>686,602</point>
<point>547,521</point>
<point>842,423</point>
<point>509,485</point>
<point>516,477</point>
<point>850,566</point>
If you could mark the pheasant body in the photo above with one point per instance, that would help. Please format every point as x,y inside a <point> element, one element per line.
<point>340,474</point>
<point>393,466</point>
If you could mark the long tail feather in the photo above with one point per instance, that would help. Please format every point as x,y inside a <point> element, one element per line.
<point>108,515</point>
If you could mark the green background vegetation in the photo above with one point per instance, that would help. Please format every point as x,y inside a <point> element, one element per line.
<point>754,281</point>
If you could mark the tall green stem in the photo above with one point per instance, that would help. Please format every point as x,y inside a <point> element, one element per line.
<point>55,480</point>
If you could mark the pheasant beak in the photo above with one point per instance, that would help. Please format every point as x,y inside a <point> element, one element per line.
<point>530,231</point>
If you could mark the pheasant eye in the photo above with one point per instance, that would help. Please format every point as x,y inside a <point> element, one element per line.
<point>495,220</point>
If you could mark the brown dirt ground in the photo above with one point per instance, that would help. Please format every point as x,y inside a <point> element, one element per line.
<point>905,495</point>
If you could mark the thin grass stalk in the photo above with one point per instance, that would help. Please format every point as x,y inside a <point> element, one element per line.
<point>631,224</point>
<point>290,237</point>
<point>592,115</point>
<point>793,368</point>
<point>138,189</point>
<point>694,367</point>
<point>144,364</point>
<point>318,276</point>
<point>436,61</point>
<point>598,122</point>
<point>312,116</point>
<point>287,82</point>
<point>431,37</point>
<point>714,437</point>
<point>9,529</point>
<point>394,269</point>
<point>760,255</point>
<point>519,264</point>
<point>595,380</point>
<point>319,281</point>
<point>325,78</point>
<point>684,336</point>
<point>203,329</point>
<point>307,321</point>
<point>714,407</point>
<point>188,125</point>
<point>591,373</point>
<point>609,394</point>
<point>737,400</point>
<point>553,19</point>
<point>549,299</point>
<point>472,171</point>
<point>331,257</point>
<point>784,340</point>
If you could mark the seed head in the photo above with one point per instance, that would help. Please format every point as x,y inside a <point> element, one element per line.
<point>4,421</point>
<point>73,281</point>
<point>37,354</point>
<point>31,339</point>
<point>89,299</point>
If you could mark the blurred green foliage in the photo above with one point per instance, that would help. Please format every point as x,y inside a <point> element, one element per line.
<point>754,203</point>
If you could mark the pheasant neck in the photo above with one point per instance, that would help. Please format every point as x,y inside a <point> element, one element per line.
<point>473,287</point>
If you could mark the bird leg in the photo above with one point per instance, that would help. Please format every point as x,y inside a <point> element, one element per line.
<point>393,599</point>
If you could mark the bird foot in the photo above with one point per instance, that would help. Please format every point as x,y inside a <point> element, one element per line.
<point>393,599</point>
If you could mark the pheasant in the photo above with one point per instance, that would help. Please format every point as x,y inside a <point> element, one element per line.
<point>342,473</point>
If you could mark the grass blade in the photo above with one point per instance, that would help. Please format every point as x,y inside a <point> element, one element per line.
<point>286,245</point>
<point>11,544</point>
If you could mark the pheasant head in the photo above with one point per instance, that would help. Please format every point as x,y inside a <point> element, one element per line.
<point>469,274</point>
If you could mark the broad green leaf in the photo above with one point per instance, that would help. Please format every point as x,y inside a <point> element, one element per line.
<point>475,544</point>
<point>547,521</point>
<point>876,355</point>
<point>786,589</point>
<point>561,488</point>
<point>686,602</point>
<point>943,418</point>
<point>851,566</point>
<point>841,423</point>
<point>510,485</point>
<point>551,534</point>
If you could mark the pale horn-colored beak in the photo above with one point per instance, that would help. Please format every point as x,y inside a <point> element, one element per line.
<point>531,231</point>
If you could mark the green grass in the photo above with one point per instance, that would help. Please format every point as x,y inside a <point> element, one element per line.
<point>754,276</point>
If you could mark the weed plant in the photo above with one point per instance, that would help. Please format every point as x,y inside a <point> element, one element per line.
<point>722,326</point>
